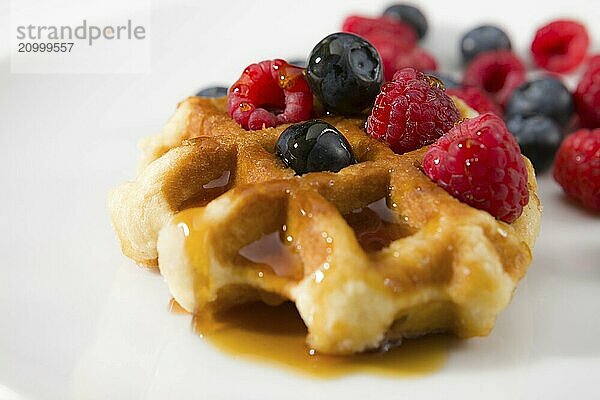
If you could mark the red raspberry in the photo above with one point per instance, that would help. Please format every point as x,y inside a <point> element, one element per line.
<point>416,58</point>
<point>411,111</point>
<point>403,35</point>
<point>475,98</point>
<point>587,95</point>
<point>479,163</point>
<point>257,99</point>
<point>594,61</point>
<point>560,46</point>
<point>577,167</point>
<point>497,72</point>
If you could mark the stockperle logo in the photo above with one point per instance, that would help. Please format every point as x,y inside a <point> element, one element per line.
<point>86,32</point>
<point>85,37</point>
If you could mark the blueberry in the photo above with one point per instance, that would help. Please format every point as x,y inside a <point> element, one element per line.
<point>448,81</point>
<point>538,136</point>
<point>409,15</point>
<point>298,62</point>
<point>345,72</point>
<point>481,39</point>
<point>314,146</point>
<point>214,91</point>
<point>544,96</point>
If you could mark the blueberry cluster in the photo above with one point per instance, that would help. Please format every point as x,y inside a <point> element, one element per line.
<point>536,115</point>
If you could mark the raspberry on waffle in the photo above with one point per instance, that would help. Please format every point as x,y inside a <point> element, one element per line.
<point>228,223</point>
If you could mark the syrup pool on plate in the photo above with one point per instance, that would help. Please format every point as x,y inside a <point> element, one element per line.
<point>276,335</point>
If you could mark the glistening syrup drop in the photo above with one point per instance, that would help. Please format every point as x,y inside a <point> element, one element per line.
<point>375,226</point>
<point>275,251</point>
<point>210,191</point>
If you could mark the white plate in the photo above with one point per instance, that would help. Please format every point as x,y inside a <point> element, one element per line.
<point>78,320</point>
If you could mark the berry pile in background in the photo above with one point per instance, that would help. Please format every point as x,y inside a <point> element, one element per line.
<point>395,35</point>
<point>347,71</point>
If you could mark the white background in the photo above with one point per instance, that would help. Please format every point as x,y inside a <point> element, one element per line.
<point>77,320</point>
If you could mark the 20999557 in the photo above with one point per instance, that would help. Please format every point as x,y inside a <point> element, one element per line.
<point>27,47</point>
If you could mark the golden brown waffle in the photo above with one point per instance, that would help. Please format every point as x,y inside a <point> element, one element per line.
<point>372,253</point>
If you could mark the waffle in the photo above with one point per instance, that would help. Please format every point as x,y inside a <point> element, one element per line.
<point>370,254</point>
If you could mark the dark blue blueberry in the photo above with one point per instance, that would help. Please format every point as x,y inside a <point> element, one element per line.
<point>314,146</point>
<point>298,62</point>
<point>539,138</point>
<point>215,91</point>
<point>345,72</point>
<point>410,15</point>
<point>448,81</point>
<point>483,38</point>
<point>543,96</point>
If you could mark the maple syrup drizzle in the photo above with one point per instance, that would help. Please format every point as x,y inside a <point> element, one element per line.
<point>273,251</point>
<point>211,190</point>
<point>176,308</point>
<point>375,225</point>
<point>276,335</point>
<point>219,182</point>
